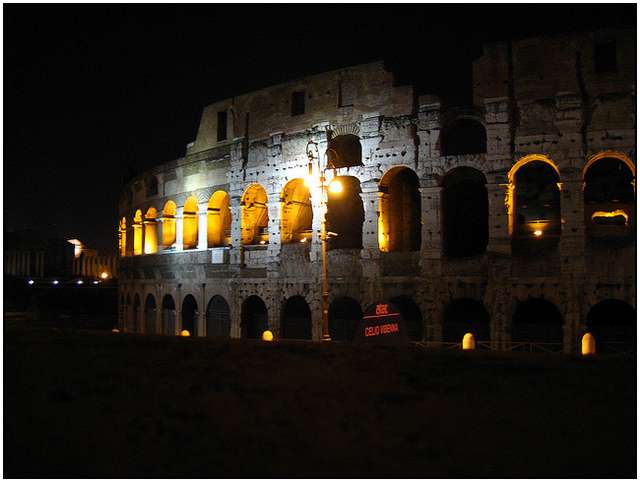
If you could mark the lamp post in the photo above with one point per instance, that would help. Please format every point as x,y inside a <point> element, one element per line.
<point>311,146</point>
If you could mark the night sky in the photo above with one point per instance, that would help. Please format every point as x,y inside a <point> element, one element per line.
<point>95,94</point>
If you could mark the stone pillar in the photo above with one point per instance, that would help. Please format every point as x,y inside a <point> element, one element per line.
<point>179,212</point>
<point>202,312</point>
<point>370,253</point>
<point>500,197</point>
<point>159,222</point>
<point>202,226</point>
<point>178,313</point>
<point>431,249</point>
<point>273,207</point>
<point>573,238</point>
<point>235,255</point>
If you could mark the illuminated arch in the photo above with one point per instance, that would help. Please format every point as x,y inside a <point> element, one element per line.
<point>190,223</point>
<point>530,158</point>
<point>122,237</point>
<point>137,233</point>
<point>296,212</point>
<point>399,202</point>
<point>150,231</point>
<point>255,215</point>
<point>610,154</point>
<point>169,224</point>
<point>218,220</point>
<point>345,215</point>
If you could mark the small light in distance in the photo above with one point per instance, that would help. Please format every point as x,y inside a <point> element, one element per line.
<point>267,336</point>
<point>263,242</point>
<point>95,282</point>
<point>303,240</point>
<point>79,282</point>
<point>104,275</point>
<point>30,281</point>
<point>55,281</point>
<point>185,333</point>
<point>537,233</point>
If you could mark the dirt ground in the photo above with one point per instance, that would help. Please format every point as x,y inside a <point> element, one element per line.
<point>90,404</point>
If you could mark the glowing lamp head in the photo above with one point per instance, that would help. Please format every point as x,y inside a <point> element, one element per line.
<point>55,281</point>
<point>104,275</point>
<point>267,336</point>
<point>309,181</point>
<point>79,282</point>
<point>185,333</point>
<point>468,342</point>
<point>537,233</point>
<point>30,281</point>
<point>335,186</point>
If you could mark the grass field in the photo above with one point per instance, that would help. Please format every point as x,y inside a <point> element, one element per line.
<point>88,404</point>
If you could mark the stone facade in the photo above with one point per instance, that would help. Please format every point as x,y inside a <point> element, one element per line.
<point>541,101</point>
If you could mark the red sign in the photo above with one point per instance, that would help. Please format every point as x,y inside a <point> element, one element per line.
<point>381,324</point>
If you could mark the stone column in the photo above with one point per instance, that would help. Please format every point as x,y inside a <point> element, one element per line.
<point>273,207</point>
<point>370,253</point>
<point>431,249</point>
<point>500,198</point>
<point>202,226</point>
<point>159,222</point>
<point>179,212</point>
<point>573,238</point>
<point>235,255</point>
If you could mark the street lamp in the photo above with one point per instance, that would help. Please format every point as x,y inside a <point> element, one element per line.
<point>335,187</point>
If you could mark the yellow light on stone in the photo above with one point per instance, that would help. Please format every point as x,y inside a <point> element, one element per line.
<point>588,344</point>
<point>335,186</point>
<point>611,214</point>
<point>104,275</point>
<point>303,240</point>
<point>185,333</point>
<point>267,336</point>
<point>468,342</point>
<point>537,233</point>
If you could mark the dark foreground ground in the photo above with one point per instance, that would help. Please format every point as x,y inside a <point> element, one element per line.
<point>82,404</point>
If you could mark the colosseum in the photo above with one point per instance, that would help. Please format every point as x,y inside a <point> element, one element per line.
<point>513,218</point>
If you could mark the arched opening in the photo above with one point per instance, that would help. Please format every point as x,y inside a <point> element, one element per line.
<point>218,220</point>
<point>122,238</point>
<point>344,150</point>
<point>169,225</point>
<point>137,233</point>
<point>399,223</point>
<point>537,320</point>
<point>150,315</point>
<point>613,324</point>
<point>344,315</point>
<point>465,315</point>
<point>296,212</point>
<point>168,316</point>
<point>218,317</point>
<point>255,216</point>
<point>609,199</point>
<point>190,315</point>
<point>411,315</point>
<point>136,314</point>
<point>464,136</point>
<point>536,210</point>
<point>190,223</point>
<point>345,215</point>
<point>465,209</point>
<point>254,317</point>
<point>296,319</point>
<point>150,232</point>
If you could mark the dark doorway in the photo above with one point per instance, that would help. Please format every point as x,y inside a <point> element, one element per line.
<point>190,315</point>
<point>465,315</point>
<point>150,315</point>
<point>400,211</point>
<point>537,320</point>
<point>254,318</point>
<point>613,324</point>
<point>345,215</point>
<point>218,317</point>
<point>296,319</point>
<point>411,315</point>
<point>168,316</point>
<point>344,315</point>
<point>465,213</point>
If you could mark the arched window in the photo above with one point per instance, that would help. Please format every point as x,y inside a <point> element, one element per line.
<point>613,324</point>
<point>345,215</point>
<point>344,151</point>
<point>168,315</point>
<point>169,225</point>
<point>218,317</point>
<point>254,317</point>
<point>138,234</point>
<point>399,224</point>
<point>150,231</point>
<point>464,136</point>
<point>218,220</point>
<point>122,239</point>
<point>190,315</point>
<point>296,212</point>
<point>609,199</point>
<point>462,316</point>
<point>190,223</point>
<point>465,210</point>
<point>150,315</point>
<point>255,216</point>
<point>344,315</point>
<point>536,205</point>
<point>537,320</point>
<point>296,319</point>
